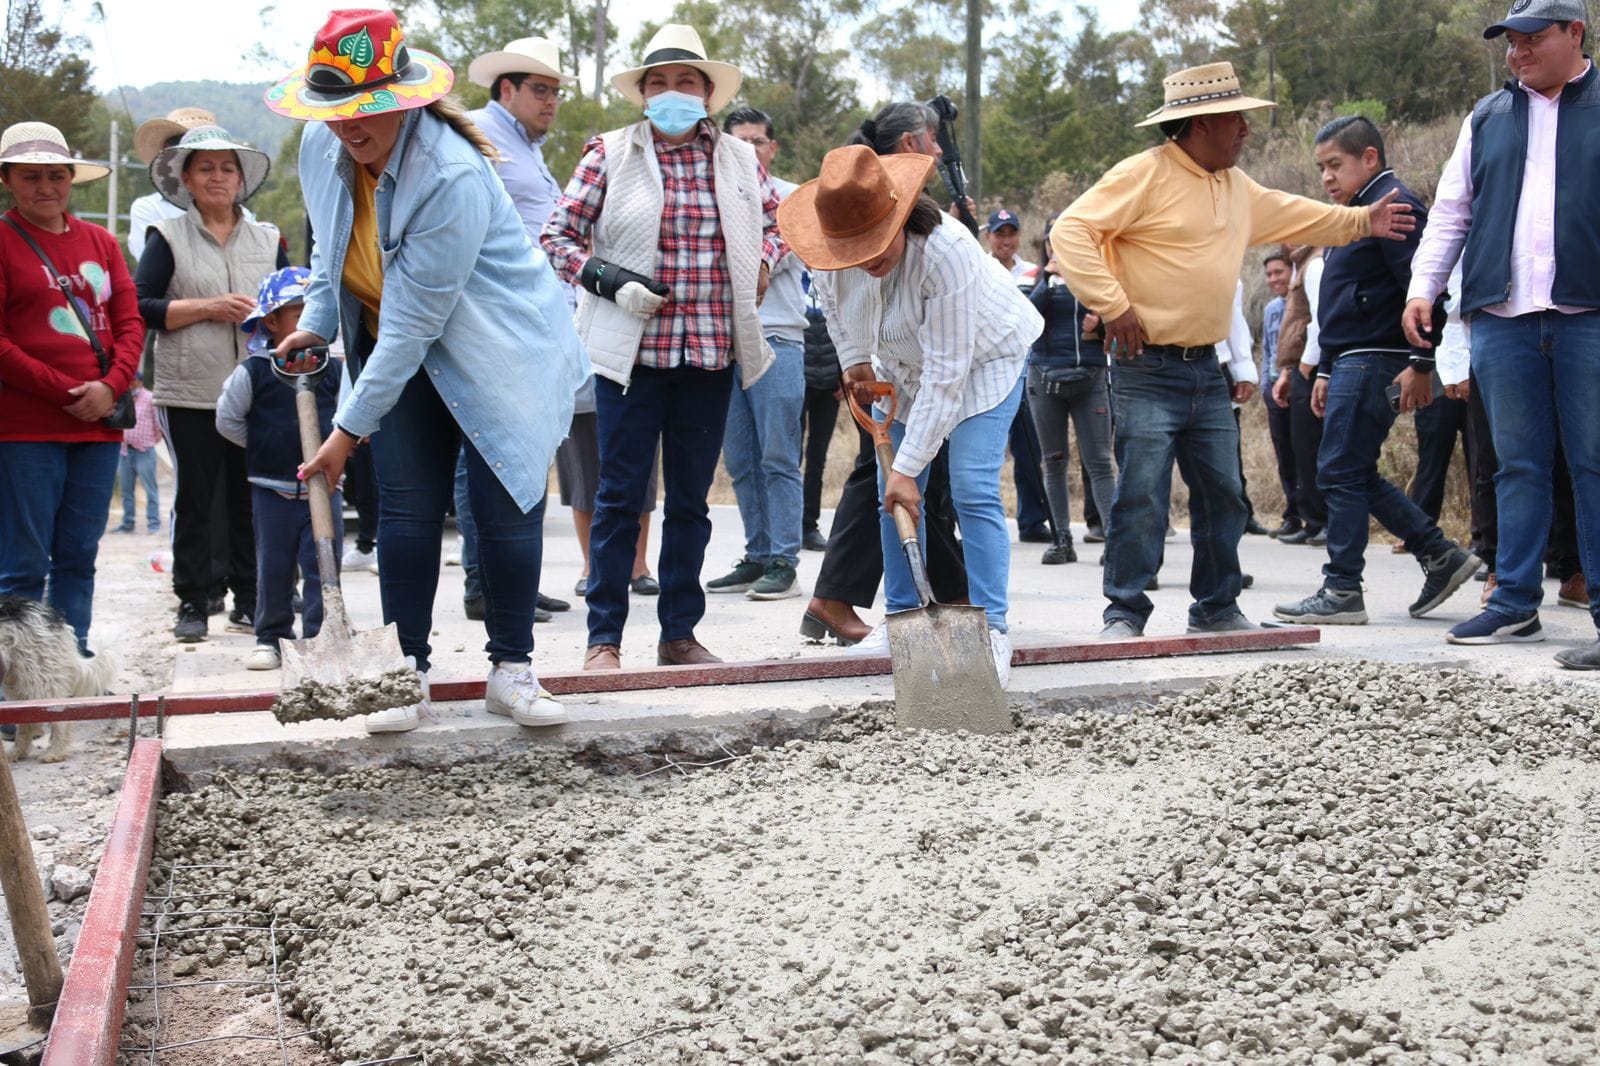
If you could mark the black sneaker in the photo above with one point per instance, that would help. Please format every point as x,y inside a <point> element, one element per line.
<point>217,605</point>
<point>778,582</point>
<point>240,621</point>
<point>1319,539</point>
<point>1060,552</point>
<point>1326,607</point>
<point>193,624</point>
<point>550,603</point>
<point>1444,573</point>
<point>1095,535</point>
<point>745,572</point>
<point>1233,623</point>
<point>814,541</point>
<point>1255,529</point>
<point>1034,535</point>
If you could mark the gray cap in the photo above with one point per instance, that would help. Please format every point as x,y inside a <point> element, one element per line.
<point>1531,16</point>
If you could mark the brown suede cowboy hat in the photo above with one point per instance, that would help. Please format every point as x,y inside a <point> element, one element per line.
<point>849,213</point>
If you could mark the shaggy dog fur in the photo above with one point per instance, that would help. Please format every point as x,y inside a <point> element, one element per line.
<point>39,660</point>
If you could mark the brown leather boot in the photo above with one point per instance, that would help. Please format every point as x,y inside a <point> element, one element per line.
<point>1574,592</point>
<point>835,619</point>
<point>685,652</point>
<point>602,657</point>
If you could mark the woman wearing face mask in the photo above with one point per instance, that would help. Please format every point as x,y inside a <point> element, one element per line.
<point>195,280</point>
<point>671,229</point>
<point>462,337</point>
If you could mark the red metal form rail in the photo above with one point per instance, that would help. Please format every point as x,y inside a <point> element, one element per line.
<point>88,1022</point>
<point>636,679</point>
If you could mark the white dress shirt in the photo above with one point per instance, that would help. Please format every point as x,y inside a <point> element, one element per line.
<point>1533,247</point>
<point>1234,352</point>
<point>947,326</point>
<point>1313,351</point>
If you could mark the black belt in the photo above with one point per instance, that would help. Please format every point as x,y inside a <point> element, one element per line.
<point>1188,355</point>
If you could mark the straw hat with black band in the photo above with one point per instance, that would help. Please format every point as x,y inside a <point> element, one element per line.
<point>153,134</point>
<point>41,144</point>
<point>678,44</point>
<point>849,214</point>
<point>1209,90</point>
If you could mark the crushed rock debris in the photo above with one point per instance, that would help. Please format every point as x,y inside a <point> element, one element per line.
<point>1224,875</point>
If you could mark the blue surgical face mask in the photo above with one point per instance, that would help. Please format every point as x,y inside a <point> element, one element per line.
<point>673,112</point>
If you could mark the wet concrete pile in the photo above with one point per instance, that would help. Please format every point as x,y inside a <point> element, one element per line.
<point>312,699</point>
<point>1323,863</point>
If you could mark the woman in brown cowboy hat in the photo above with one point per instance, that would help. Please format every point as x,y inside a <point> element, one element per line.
<point>911,298</point>
<point>57,460</point>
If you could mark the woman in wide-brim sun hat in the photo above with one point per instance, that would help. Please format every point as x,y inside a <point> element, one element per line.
<point>460,331</point>
<point>197,276</point>
<point>57,461</point>
<point>911,298</point>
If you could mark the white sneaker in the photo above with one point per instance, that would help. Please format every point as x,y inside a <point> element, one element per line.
<point>1000,646</point>
<point>453,556</point>
<point>514,692</point>
<point>874,643</point>
<point>263,657</point>
<point>356,559</point>
<point>401,719</point>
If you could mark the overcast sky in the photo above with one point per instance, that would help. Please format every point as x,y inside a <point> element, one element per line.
<point>139,42</point>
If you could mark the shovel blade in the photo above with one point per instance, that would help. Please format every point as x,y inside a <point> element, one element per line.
<point>944,675</point>
<point>336,674</point>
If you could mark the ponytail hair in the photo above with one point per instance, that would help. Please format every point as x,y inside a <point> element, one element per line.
<point>882,132</point>
<point>450,110</point>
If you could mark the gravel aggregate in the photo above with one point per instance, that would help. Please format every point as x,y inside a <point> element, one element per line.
<point>1344,861</point>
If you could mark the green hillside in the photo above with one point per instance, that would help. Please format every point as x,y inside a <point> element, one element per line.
<point>238,108</point>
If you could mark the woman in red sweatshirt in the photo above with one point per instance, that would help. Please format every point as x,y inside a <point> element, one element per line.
<point>58,462</point>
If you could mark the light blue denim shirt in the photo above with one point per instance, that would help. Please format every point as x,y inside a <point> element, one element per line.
<point>466,297</point>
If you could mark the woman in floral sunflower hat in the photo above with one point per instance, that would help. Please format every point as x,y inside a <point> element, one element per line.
<point>455,329</point>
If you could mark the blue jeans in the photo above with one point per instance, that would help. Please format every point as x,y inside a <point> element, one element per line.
<point>414,453</point>
<point>686,410</point>
<point>761,450</point>
<point>1537,372</point>
<point>473,589</point>
<point>977,452</point>
<point>139,467</point>
<point>54,501</point>
<point>283,538</point>
<point>1166,408</point>
<point>1354,427</point>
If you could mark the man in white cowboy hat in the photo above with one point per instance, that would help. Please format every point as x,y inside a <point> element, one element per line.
<point>150,138</point>
<point>684,236</point>
<point>526,87</point>
<point>1515,204</point>
<point>1155,247</point>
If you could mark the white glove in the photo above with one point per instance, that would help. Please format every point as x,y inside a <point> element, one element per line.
<point>639,301</point>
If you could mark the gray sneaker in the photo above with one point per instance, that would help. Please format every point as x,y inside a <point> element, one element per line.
<point>745,572</point>
<point>1580,658</point>
<point>1326,607</point>
<point>778,583</point>
<point>1233,623</point>
<point>1120,629</point>
<point>1444,573</point>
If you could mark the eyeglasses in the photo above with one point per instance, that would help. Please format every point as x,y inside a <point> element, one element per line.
<point>542,91</point>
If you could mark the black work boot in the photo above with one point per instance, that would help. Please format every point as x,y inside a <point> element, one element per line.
<point>1061,551</point>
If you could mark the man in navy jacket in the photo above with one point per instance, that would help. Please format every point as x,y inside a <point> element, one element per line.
<point>1364,354</point>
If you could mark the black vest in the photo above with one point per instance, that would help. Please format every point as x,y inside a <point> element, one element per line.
<point>1499,157</point>
<point>272,445</point>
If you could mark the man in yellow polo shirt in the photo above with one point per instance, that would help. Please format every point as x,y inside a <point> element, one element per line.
<point>1155,248</point>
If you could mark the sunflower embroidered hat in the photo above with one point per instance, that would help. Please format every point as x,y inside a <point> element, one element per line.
<point>360,65</point>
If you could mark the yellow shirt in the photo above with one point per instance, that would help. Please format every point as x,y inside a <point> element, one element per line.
<point>1164,235</point>
<point>363,263</point>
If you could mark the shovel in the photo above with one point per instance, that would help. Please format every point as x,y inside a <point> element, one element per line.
<point>339,673</point>
<point>944,675</point>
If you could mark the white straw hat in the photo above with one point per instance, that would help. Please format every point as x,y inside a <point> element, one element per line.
<point>528,55</point>
<point>41,143</point>
<point>676,43</point>
<point>153,134</point>
<point>166,170</point>
<point>1209,90</point>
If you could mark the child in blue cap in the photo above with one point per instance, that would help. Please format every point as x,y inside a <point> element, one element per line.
<point>257,412</point>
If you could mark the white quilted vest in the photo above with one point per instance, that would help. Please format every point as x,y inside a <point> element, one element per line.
<point>628,234</point>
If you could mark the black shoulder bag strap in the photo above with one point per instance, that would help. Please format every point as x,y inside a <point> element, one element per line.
<point>123,415</point>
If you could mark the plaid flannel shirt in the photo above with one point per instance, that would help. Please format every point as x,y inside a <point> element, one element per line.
<point>695,326</point>
<point>146,433</point>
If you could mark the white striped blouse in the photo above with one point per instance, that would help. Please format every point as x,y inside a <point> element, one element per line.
<point>948,326</point>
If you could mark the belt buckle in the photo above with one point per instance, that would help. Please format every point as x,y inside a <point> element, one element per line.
<point>1191,354</point>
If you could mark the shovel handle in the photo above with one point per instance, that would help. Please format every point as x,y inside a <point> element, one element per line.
<point>904,524</point>
<point>317,492</point>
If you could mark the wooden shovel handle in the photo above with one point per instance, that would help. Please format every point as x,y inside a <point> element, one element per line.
<point>904,524</point>
<point>318,493</point>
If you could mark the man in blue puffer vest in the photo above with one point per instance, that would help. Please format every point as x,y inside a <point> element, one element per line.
<point>1526,157</point>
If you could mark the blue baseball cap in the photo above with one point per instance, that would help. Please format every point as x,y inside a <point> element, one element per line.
<point>1531,16</point>
<point>278,289</point>
<point>1002,218</point>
